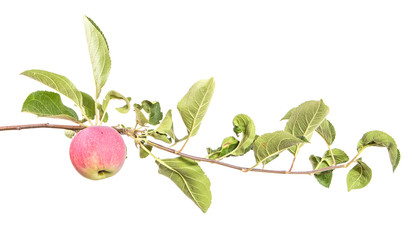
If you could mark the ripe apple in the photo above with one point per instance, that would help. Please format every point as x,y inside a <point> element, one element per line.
<point>97,152</point>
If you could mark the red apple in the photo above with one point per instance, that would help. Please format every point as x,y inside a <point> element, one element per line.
<point>97,152</point>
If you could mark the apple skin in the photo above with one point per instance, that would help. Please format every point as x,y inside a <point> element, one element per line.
<point>97,152</point>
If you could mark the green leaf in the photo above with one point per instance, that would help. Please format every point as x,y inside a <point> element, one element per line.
<point>88,105</point>
<point>339,155</point>
<point>288,114</point>
<point>154,111</point>
<point>359,176</point>
<point>193,106</point>
<point>56,82</point>
<point>324,178</point>
<point>381,139</point>
<point>228,146</point>
<point>115,95</point>
<point>139,116</point>
<point>48,104</point>
<point>244,124</point>
<point>165,131</point>
<point>142,152</point>
<point>101,114</point>
<point>327,131</point>
<point>126,107</point>
<point>268,146</point>
<point>305,119</point>
<point>190,178</point>
<point>98,52</point>
<point>70,134</point>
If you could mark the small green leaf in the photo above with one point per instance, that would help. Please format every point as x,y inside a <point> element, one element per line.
<point>88,105</point>
<point>153,109</point>
<point>228,146</point>
<point>359,176</point>
<point>139,116</point>
<point>143,153</point>
<point>98,52</point>
<point>324,178</point>
<point>190,178</point>
<point>101,112</point>
<point>165,131</point>
<point>115,95</point>
<point>57,82</point>
<point>155,114</point>
<point>327,131</point>
<point>70,134</point>
<point>244,124</point>
<point>268,146</point>
<point>339,155</point>
<point>48,104</point>
<point>305,119</point>
<point>381,139</point>
<point>193,106</point>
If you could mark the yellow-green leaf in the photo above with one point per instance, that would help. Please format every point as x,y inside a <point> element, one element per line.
<point>190,178</point>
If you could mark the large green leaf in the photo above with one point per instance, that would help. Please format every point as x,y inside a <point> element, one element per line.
<point>193,106</point>
<point>327,131</point>
<point>381,139</point>
<point>190,178</point>
<point>48,104</point>
<point>57,82</point>
<point>115,95</point>
<point>244,124</point>
<point>359,176</point>
<point>98,52</point>
<point>268,146</point>
<point>305,119</point>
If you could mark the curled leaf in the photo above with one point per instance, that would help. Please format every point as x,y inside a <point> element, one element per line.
<point>381,139</point>
<point>116,95</point>
<point>244,124</point>
<point>227,147</point>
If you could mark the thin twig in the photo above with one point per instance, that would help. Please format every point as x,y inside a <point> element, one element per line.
<point>125,131</point>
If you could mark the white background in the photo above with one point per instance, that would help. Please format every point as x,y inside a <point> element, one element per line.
<point>266,57</point>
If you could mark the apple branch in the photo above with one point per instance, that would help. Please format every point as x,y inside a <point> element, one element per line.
<point>125,131</point>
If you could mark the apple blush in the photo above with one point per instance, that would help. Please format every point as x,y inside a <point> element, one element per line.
<point>97,152</point>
